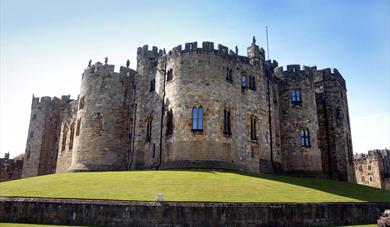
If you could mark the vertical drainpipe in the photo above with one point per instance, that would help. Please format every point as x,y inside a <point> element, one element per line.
<point>268,66</point>
<point>162,111</point>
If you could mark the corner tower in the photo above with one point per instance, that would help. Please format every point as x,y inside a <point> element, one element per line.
<point>335,139</point>
<point>43,135</point>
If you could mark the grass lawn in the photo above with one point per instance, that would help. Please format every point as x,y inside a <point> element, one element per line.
<point>212,186</point>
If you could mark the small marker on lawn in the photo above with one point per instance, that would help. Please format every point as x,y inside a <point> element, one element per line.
<point>160,197</point>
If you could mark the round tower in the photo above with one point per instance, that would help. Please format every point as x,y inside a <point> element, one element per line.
<point>218,103</point>
<point>101,137</point>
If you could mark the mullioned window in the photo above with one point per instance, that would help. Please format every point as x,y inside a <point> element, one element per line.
<point>197,118</point>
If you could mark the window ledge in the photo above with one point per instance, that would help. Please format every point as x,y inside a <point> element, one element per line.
<point>197,130</point>
<point>227,134</point>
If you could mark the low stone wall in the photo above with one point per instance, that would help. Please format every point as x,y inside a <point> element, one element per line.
<point>133,213</point>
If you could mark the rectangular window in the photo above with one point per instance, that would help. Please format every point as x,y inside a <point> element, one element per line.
<point>305,138</point>
<point>296,96</point>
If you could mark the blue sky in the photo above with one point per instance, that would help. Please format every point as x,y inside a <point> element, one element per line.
<point>46,44</point>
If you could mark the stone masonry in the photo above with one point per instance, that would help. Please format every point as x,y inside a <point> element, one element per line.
<point>10,169</point>
<point>373,169</point>
<point>197,106</point>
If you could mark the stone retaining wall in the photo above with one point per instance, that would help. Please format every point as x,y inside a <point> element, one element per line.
<point>133,213</point>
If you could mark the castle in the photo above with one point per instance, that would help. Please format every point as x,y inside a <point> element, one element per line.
<point>196,108</point>
<point>373,169</point>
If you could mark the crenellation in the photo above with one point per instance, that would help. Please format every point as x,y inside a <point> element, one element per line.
<point>144,118</point>
<point>293,68</point>
<point>223,49</point>
<point>190,46</point>
<point>208,46</point>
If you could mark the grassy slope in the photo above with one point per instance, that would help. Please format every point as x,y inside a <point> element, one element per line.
<point>191,186</point>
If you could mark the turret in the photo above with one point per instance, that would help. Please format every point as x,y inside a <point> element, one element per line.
<point>102,135</point>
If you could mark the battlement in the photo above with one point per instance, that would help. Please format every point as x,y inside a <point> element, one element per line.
<point>146,53</point>
<point>101,68</point>
<point>209,47</point>
<point>38,102</point>
<point>330,74</point>
<point>372,155</point>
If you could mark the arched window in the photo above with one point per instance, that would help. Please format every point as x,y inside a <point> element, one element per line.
<point>305,138</point>
<point>226,122</point>
<point>169,126</point>
<point>253,128</point>
<point>152,85</point>
<point>197,118</point>
<point>296,96</point>
<point>243,82</point>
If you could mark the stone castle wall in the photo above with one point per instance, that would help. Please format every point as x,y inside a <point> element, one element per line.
<point>66,138</point>
<point>120,119</point>
<point>372,169</point>
<point>10,169</point>
<point>138,213</point>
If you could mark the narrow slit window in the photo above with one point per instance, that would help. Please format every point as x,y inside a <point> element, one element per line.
<point>252,83</point>
<point>149,129</point>
<point>64,135</point>
<point>152,85</point>
<point>169,75</point>
<point>226,122</point>
<point>169,129</point>
<point>229,76</point>
<point>71,136</point>
<point>253,128</point>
